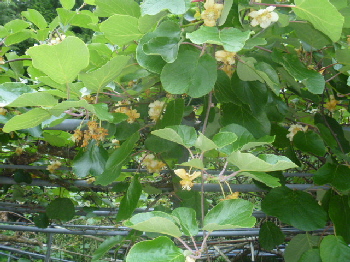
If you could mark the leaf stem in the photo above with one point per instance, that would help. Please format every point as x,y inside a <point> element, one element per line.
<point>252,2</point>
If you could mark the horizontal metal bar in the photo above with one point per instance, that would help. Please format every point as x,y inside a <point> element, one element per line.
<point>68,125</point>
<point>236,232</point>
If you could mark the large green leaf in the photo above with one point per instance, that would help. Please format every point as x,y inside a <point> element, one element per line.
<point>190,73</point>
<point>34,99</point>
<point>61,208</point>
<point>129,202</point>
<point>299,245</point>
<point>108,244</point>
<point>262,177</point>
<point>61,62</point>
<point>187,218</point>
<point>313,80</point>
<point>263,163</point>
<point>204,143</point>
<point>229,214</point>
<point>91,161</point>
<point>9,92</point>
<point>337,175</point>
<point>285,203</point>
<point>309,142</point>
<point>183,135</point>
<point>148,22</point>
<point>222,139</point>
<point>116,160</point>
<point>155,221</point>
<point>270,235</point>
<point>312,255</point>
<point>18,37</point>
<point>232,39</point>
<point>29,119</point>
<point>96,80</point>
<point>322,15</point>
<point>159,249</point>
<point>121,29</point>
<point>339,212</point>
<point>106,8</point>
<point>153,7</point>
<point>334,248</point>
<point>16,25</point>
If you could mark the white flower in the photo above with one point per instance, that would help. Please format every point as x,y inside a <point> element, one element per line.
<point>294,129</point>
<point>155,110</point>
<point>263,17</point>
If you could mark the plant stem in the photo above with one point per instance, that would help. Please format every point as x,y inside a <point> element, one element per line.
<point>252,2</point>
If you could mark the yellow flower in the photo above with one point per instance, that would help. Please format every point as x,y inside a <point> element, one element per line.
<point>19,151</point>
<point>153,165</point>
<point>133,115</point>
<point>122,106</point>
<point>331,104</point>
<point>294,129</point>
<point>187,179</point>
<point>90,180</point>
<point>53,166</point>
<point>3,111</point>
<point>263,17</point>
<point>155,110</point>
<point>211,13</point>
<point>232,196</point>
<point>226,57</point>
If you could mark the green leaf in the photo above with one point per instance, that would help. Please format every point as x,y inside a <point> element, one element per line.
<point>57,110</point>
<point>116,160</point>
<point>41,220</point>
<point>29,119</point>
<point>322,15</point>
<point>339,213</point>
<point>308,34</point>
<point>58,138</point>
<point>9,92</point>
<point>173,113</point>
<point>148,22</point>
<point>232,39</point>
<point>309,142</point>
<point>337,175</point>
<point>159,249</point>
<point>263,163</point>
<point>22,177</point>
<point>126,31</point>
<point>230,214</point>
<point>183,135</point>
<point>270,235</point>
<point>61,208</point>
<point>313,80</point>
<point>299,245</point>
<point>224,138</point>
<point>90,162</point>
<point>155,221</point>
<point>67,4</point>
<point>195,163</point>
<point>34,99</point>
<point>204,144</point>
<point>265,178</point>
<point>96,80</point>
<point>18,37</point>
<point>190,73</point>
<point>312,255</point>
<point>106,8</point>
<point>129,202</point>
<point>187,218</point>
<point>285,203</point>
<point>108,244</point>
<point>153,7</point>
<point>16,25</point>
<point>35,17</point>
<point>334,248</point>
<point>61,62</point>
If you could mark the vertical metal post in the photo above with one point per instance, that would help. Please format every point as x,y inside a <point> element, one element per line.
<point>48,247</point>
<point>9,257</point>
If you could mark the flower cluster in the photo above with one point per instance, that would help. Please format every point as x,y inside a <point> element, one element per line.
<point>187,179</point>
<point>19,151</point>
<point>234,195</point>
<point>228,58</point>
<point>155,110</point>
<point>293,129</point>
<point>94,131</point>
<point>53,166</point>
<point>211,13</point>
<point>153,165</point>
<point>123,107</point>
<point>263,17</point>
<point>331,104</point>
<point>56,40</point>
